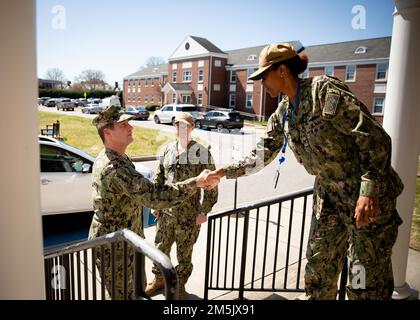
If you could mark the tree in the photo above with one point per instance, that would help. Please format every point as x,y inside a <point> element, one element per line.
<point>92,79</point>
<point>153,61</point>
<point>56,75</point>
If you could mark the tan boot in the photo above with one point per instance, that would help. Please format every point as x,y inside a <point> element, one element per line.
<point>182,294</point>
<point>156,285</point>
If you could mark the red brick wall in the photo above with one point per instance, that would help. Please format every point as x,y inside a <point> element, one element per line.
<point>218,76</point>
<point>194,77</point>
<point>362,87</point>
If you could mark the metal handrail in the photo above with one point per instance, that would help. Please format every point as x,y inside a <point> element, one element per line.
<point>141,248</point>
<point>245,247</point>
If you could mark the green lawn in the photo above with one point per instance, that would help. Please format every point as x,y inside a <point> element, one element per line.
<point>415,226</point>
<point>80,133</point>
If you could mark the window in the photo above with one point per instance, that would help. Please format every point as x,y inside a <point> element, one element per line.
<point>200,75</point>
<point>381,71</point>
<point>232,100</point>
<point>174,100</point>
<point>360,50</point>
<point>152,82</point>
<point>200,99</point>
<point>329,71</point>
<point>57,160</point>
<point>233,76</point>
<point>146,82</point>
<point>138,98</point>
<point>152,98</point>
<point>249,72</point>
<point>129,97</point>
<point>351,73</point>
<point>174,77</point>
<point>146,98</point>
<point>216,87</point>
<point>186,76</point>
<point>217,63</point>
<point>378,105</point>
<point>252,57</point>
<point>186,99</point>
<point>248,104</point>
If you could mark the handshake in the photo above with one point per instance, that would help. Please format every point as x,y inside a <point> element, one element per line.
<point>208,180</point>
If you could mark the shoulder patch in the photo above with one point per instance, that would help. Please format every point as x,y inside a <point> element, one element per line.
<point>331,103</point>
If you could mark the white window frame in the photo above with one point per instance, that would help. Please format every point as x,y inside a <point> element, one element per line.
<point>248,100</point>
<point>146,98</point>
<point>174,98</point>
<point>152,98</point>
<point>233,77</point>
<point>138,98</point>
<point>232,100</point>
<point>325,71</point>
<point>186,76</point>
<point>200,76</point>
<point>216,87</point>
<point>354,75</point>
<point>374,105</point>
<point>146,82</point>
<point>152,82</point>
<point>249,71</point>
<point>174,77</point>
<point>217,63</point>
<point>377,71</point>
<point>200,98</point>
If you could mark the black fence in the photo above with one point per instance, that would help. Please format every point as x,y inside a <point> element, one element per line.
<point>260,247</point>
<point>71,272</point>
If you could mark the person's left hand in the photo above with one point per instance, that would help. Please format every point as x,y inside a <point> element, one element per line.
<point>200,219</point>
<point>366,211</point>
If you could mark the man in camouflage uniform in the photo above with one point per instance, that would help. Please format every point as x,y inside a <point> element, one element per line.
<point>181,160</point>
<point>119,192</point>
<point>333,135</point>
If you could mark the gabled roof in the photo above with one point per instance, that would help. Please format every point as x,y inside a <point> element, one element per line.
<point>242,56</point>
<point>344,51</point>
<point>177,87</point>
<point>207,45</point>
<point>149,72</point>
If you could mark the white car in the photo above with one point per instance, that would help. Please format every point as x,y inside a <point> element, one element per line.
<point>66,178</point>
<point>168,112</point>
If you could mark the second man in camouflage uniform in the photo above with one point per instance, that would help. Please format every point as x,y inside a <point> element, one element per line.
<point>181,160</point>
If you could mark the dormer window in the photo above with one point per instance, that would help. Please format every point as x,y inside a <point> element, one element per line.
<point>360,50</point>
<point>252,57</point>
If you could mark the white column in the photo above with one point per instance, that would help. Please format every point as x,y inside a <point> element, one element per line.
<point>401,121</point>
<point>21,262</point>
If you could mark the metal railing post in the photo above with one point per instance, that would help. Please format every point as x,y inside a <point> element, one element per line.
<point>243,257</point>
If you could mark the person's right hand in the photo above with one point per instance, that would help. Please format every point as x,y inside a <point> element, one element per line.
<point>207,180</point>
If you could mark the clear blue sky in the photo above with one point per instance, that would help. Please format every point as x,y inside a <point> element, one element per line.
<point>117,37</point>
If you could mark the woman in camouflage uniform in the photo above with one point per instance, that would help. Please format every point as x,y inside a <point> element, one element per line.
<point>333,135</point>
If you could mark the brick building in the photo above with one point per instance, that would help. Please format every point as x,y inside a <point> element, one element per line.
<point>199,72</point>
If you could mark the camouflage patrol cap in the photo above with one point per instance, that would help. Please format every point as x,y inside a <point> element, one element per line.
<point>271,54</point>
<point>186,118</point>
<point>110,115</point>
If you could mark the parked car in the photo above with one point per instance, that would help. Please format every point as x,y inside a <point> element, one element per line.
<point>93,106</point>
<point>66,177</point>
<point>139,112</point>
<point>51,103</point>
<point>168,112</point>
<point>220,120</point>
<point>66,104</point>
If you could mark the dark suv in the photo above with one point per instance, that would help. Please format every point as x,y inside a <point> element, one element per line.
<point>220,120</point>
